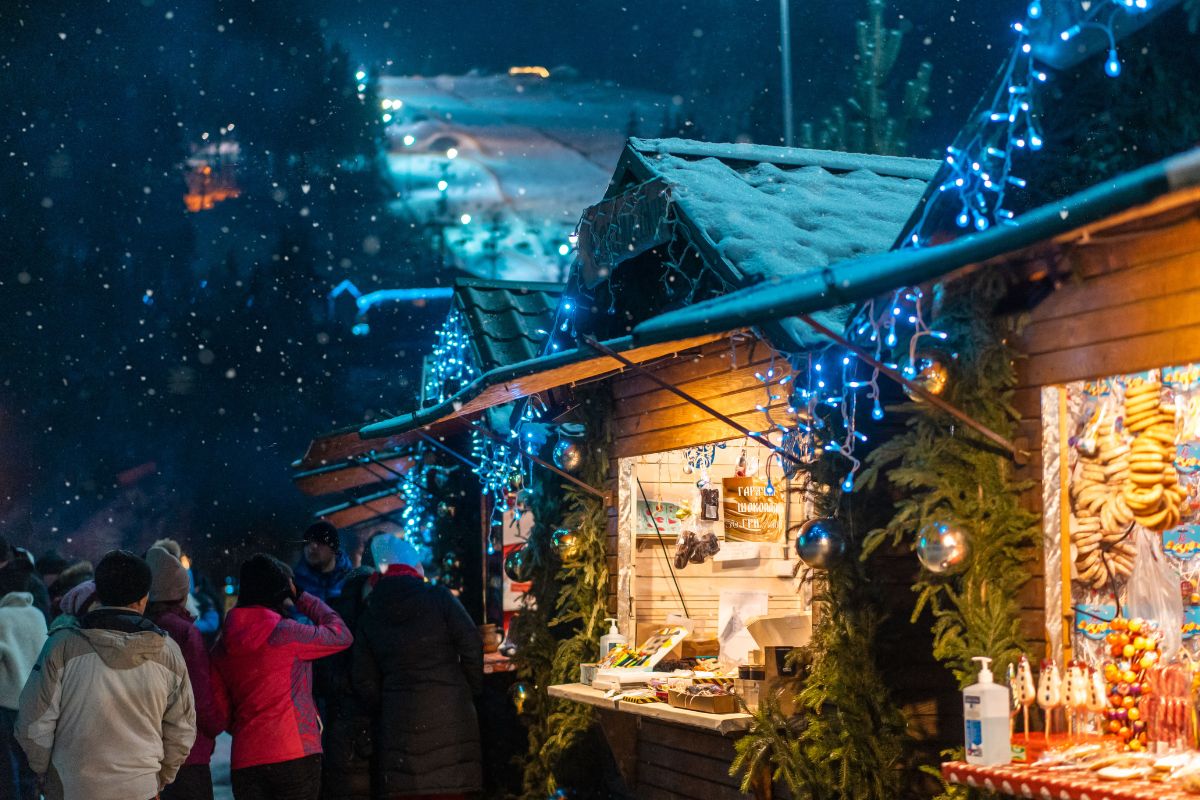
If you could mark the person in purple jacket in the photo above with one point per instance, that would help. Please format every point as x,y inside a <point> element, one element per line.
<point>168,596</point>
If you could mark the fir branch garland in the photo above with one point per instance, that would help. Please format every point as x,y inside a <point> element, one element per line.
<point>571,596</point>
<point>947,473</point>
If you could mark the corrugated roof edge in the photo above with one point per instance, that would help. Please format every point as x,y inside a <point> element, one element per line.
<point>890,166</point>
<point>862,278</point>
<point>531,286</point>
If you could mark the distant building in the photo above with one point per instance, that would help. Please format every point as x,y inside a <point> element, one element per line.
<point>211,174</point>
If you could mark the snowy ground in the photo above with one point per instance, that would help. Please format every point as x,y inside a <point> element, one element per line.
<point>526,156</point>
<point>220,769</point>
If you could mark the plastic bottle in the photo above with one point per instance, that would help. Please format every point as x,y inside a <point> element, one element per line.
<point>985,710</point>
<point>611,639</point>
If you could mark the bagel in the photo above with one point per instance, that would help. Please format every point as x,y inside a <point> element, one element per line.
<point>1155,521</point>
<point>1141,406</point>
<point>1143,497</point>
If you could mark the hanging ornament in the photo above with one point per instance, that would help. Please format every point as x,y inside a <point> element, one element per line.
<point>568,450</point>
<point>445,510</point>
<point>741,464</point>
<point>518,565</point>
<point>516,480</point>
<point>566,544</point>
<point>450,561</point>
<point>520,693</point>
<point>821,543</point>
<point>927,370</point>
<point>941,547</point>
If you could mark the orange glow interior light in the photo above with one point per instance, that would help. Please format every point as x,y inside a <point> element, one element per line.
<point>541,72</point>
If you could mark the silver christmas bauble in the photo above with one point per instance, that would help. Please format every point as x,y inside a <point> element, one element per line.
<point>821,543</point>
<point>567,455</point>
<point>942,548</point>
<point>927,370</point>
<point>518,565</point>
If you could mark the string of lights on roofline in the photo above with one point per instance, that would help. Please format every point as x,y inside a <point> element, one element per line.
<point>980,168</point>
<point>821,409</point>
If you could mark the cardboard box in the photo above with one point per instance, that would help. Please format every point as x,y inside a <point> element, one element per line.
<point>708,704</point>
<point>781,630</point>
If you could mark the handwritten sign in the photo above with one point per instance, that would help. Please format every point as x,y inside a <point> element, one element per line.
<point>753,513</point>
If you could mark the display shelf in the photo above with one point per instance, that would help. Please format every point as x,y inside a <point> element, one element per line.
<point>724,724</point>
<point>1022,780</point>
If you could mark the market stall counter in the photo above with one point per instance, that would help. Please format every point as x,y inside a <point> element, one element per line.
<point>663,752</point>
<point>1023,780</point>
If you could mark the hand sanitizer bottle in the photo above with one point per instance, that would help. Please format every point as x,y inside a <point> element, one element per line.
<point>985,710</point>
<point>611,639</point>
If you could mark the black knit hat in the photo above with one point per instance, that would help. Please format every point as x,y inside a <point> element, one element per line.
<point>325,533</point>
<point>122,578</point>
<point>265,581</point>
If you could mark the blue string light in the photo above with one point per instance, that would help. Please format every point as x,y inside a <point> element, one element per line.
<point>451,365</point>
<point>979,174</point>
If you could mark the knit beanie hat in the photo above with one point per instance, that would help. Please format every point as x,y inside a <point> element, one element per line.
<point>265,581</point>
<point>395,549</point>
<point>169,580</point>
<point>77,601</point>
<point>122,578</point>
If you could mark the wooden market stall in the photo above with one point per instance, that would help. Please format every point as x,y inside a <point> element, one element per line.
<point>1107,284</point>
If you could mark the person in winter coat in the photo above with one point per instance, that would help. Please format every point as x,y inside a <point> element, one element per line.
<point>107,713</point>
<point>22,634</point>
<point>17,574</point>
<point>346,771</point>
<point>418,659</point>
<point>323,568</point>
<point>262,683</point>
<point>168,594</point>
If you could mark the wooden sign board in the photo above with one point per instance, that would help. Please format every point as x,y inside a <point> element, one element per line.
<point>751,515</point>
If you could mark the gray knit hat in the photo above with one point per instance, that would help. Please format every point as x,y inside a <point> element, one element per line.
<point>170,580</point>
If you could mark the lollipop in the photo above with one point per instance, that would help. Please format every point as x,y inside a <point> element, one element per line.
<point>1050,695</point>
<point>1075,693</point>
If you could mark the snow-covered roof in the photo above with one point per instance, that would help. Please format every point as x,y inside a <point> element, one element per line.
<point>775,212</point>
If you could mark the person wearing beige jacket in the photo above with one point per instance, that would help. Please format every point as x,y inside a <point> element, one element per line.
<point>108,712</point>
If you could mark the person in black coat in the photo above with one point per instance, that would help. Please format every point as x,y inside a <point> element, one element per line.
<point>418,660</point>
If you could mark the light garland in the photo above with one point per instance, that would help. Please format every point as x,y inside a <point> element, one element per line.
<point>980,168</point>
<point>496,465</point>
<point>451,365</point>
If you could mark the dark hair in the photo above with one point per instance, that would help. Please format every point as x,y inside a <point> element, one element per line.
<point>265,581</point>
<point>324,532</point>
<point>122,578</point>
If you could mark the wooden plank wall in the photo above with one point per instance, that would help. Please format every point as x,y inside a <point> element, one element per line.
<point>663,478</point>
<point>648,419</point>
<point>1133,303</point>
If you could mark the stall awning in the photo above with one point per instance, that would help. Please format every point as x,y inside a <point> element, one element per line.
<point>1172,182</point>
<point>353,472</point>
<point>515,381</point>
<point>385,503</point>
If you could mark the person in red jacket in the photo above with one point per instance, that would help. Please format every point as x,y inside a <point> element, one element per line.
<point>262,683</point>
<point>168,594</point>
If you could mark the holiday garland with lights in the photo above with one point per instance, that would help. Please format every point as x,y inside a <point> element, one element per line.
<point>561,627</point>
<point>948,475</point>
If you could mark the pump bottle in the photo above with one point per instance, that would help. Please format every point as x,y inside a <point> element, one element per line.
<point>611,639</point>
<point>985,711</point>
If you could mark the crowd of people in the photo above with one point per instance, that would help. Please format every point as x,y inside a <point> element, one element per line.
<point>335,682</point>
